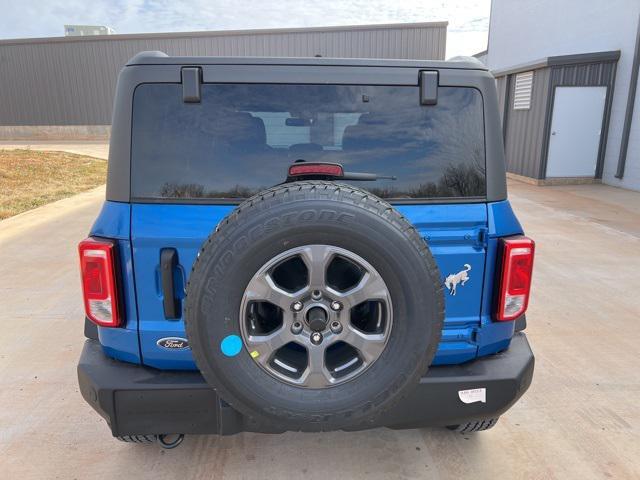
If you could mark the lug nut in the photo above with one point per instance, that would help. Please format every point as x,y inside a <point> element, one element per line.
<point>336,327</point>
<point>296,328</point>
<point>336,306</point>
<point>316,294</point>
<point>316,338</point>
<point>296,306</point>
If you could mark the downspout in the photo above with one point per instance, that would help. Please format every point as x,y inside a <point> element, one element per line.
<point>631,100</point>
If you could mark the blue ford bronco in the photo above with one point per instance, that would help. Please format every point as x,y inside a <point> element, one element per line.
<point>304,244</point>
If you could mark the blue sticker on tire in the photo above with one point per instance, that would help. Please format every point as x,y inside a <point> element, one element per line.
<point>231,345</point>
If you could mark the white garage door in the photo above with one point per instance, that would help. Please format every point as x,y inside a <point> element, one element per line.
<point>575,131</point>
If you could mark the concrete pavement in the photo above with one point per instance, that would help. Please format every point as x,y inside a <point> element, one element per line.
<point>579,419</point>
<point>97,149</point>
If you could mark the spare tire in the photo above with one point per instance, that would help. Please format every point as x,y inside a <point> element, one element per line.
<point>314,306</point>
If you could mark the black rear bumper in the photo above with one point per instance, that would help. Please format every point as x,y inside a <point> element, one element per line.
<point>140,400</point>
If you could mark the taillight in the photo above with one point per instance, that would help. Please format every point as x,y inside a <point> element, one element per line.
<point>99,285</point>
<point>515,277</point>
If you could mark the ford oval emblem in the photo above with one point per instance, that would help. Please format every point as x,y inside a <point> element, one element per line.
<point>173,343</point>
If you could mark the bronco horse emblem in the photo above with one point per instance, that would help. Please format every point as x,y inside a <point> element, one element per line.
<point>452,281</point>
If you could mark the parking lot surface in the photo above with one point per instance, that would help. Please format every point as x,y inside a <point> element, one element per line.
<point>579,419</point>
<point>98,149</point>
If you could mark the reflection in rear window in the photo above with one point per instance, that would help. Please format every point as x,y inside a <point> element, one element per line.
<point>242,138</point>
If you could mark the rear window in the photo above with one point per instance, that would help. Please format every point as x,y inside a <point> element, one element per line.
<point>241,138</point>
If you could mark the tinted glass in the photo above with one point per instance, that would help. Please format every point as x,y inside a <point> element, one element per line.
<point>242,138</point>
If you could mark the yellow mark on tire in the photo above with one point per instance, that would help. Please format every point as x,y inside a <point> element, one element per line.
<point>255,354</point>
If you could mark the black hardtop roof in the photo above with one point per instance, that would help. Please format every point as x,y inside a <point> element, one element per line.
<point>158,67</point>
<point>161,58</point>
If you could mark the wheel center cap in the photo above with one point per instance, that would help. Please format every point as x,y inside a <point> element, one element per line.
<point>317,319</point>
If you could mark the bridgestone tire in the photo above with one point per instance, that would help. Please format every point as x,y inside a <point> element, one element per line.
<point>305,213</point>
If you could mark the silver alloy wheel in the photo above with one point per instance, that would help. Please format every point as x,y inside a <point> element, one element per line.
<point>316,316</point>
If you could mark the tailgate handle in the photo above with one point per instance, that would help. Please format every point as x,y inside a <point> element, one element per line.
<point>168,264</point>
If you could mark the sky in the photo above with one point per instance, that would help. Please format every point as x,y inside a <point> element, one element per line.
<point>467,31</point>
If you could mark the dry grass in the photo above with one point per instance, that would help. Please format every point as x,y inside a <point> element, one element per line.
<point>30,178</point>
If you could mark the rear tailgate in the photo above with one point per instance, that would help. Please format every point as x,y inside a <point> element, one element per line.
<point>455,234</point>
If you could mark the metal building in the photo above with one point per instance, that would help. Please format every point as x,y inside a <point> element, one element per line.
<point>64,86</point>
<point>537,99</point>
<point>568,73</point>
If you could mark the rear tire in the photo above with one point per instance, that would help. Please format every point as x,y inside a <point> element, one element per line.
<point>161,439</point>
<point>141,439</point>
<point>474,426</point>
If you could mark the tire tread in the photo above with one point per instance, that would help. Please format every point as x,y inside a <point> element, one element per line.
<point>476,426</point>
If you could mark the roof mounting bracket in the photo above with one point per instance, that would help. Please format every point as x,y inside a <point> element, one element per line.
<point>191,83</point>
<point>428,82</point>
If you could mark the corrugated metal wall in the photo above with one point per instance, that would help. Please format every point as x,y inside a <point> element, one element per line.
<point>525,128</point>
<point>71,81</point>
<point>592,74</point>
<point>526,132</point>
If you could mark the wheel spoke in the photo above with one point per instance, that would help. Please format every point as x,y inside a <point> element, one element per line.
<point>371,287</point>
<point>316,375</point>
<point>262,287</point>
<point>261,347</point>
<point>316,258</point>
<point>370,346</point>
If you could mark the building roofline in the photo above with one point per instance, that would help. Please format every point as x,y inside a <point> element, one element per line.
<point>560,60</point>
<point>219,33</point>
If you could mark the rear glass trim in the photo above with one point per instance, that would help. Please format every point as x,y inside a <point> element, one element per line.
<point>238,201</point>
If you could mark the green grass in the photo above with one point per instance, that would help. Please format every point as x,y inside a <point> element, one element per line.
<point>29,178</point>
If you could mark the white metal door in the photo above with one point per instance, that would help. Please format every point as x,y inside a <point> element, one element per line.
<point>576,126</point>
